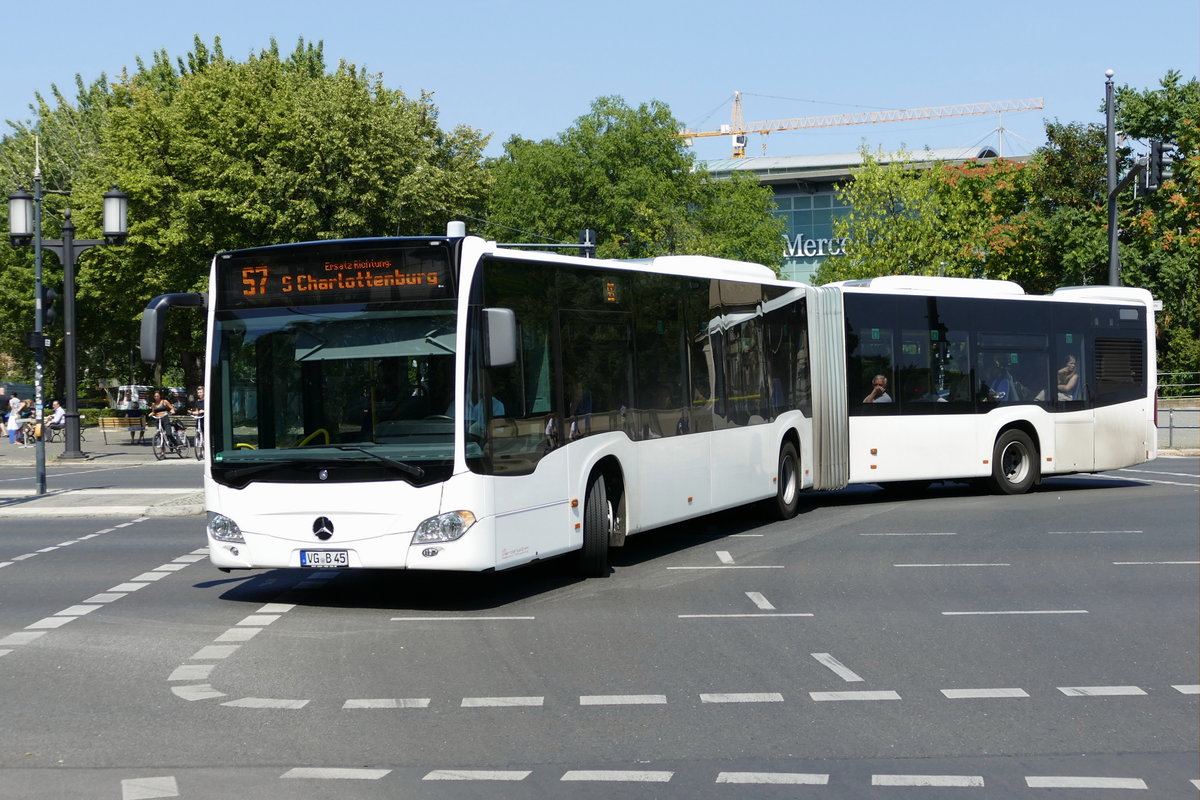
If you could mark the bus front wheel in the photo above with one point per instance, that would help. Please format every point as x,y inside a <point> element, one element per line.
<point>597,527</point>
<point>787,485</point>
<point>1014,463</point>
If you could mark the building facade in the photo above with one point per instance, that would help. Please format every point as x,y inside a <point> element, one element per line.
<point>806,195</point>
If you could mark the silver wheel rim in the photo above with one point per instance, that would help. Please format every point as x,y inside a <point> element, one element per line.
<point>1014,462</point>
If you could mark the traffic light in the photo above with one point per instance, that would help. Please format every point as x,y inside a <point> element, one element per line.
<point>1158,165</point>
<point>49,314</point>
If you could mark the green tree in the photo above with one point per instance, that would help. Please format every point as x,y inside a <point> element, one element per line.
<point>621,171</point>
<point>218,154</point>
<point>1160,231</point>
<point>64,137</point>
<point>920,218</point>
<point>1043,223</point>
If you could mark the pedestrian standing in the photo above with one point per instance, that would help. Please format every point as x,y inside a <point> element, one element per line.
<point>14,418</point>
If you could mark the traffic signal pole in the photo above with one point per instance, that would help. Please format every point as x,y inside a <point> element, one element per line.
<point>1156,167</point>
<point>1114,259</point>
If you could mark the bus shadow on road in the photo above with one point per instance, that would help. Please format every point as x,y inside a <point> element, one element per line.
<point>419,590</point>
<point>458,592</point>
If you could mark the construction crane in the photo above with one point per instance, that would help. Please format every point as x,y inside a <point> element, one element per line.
<point>740,130</point>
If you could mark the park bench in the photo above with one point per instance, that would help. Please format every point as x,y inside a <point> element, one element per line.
<point>134,426</point>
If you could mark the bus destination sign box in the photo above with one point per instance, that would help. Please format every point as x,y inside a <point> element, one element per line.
<point>283,276</point>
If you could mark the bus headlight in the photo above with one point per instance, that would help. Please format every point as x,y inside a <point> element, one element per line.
<point>444,527</point>
<point>223,529</point>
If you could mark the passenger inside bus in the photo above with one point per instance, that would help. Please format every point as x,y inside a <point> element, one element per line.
<point>1068,379</point>
<point>878,393</point>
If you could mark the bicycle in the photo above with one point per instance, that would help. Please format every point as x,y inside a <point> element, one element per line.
<point>170,440</point>
<point>198,445</point>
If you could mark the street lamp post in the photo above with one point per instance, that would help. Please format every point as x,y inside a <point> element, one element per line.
<point>25,227</point>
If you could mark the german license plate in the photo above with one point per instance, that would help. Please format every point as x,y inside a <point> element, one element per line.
<point>325,558</point>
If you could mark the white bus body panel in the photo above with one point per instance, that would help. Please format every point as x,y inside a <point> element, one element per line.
<point>937,447</point>
<point>1074,442</point>
<point>1130,438</point>
<point>533,517</point>
<point>678,469</point>
<point>374,521</point>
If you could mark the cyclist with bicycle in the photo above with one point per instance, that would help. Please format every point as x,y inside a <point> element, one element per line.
<point>197,412</point>
<point>161,410</point>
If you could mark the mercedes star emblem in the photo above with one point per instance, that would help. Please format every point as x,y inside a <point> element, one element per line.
<point>322,528</point>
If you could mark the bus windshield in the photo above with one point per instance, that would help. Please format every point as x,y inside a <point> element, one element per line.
<point>365,386</point>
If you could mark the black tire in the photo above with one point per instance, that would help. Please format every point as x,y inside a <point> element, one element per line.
<point>199,447</point>
<point>182,445</point>
<point>1015,465</point>
<point>787,485</point>
<point>597,525</point>
<point>159,445</point>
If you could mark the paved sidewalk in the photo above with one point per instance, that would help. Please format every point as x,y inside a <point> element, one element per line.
<point>99,500</point>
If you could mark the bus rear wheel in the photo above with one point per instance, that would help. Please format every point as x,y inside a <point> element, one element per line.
<point>1014,463</point>
<point>787,487</point>
<point>597,527</point>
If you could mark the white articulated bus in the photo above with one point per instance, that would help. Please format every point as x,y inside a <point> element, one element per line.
<point>445,403</point>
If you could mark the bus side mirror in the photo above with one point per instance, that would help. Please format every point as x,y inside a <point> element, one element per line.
<point>154,320</point>
<point>500,336</point>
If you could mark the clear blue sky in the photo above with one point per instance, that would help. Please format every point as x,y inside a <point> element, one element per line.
<point>532,67</point>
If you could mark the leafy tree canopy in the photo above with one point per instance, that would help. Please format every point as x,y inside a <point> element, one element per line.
<point>621,171</point>
<point>1043,222</point>
<point>218,154</point>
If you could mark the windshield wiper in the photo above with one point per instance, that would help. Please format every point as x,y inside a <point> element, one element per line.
<point>242,472</point>
<point>399,466</point>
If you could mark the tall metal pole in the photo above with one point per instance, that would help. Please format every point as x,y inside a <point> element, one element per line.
<point>39,321</point>
<point>1114,258</point>
<point>70,385</point>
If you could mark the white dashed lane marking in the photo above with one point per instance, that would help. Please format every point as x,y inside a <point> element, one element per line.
<point>749,697</point>
<point>760,601</point>
<point>776,778</point>
<point>1069,533</point>
<point>961,781</point>
<point>1066,782</point>
<point>617,775</point>
<point>35,630</point>
<point>837,667</point>
<point>983,694</point>
<point>265,702</point>
<point>501,702</point>
<point>622,699</point>
<point>952,565</point>
<point>1012,613</point>
<point>477,775</point>
<point>149,788</point>
<point>822,697</point>
<point>1101,691</point>
<point>336,774</point>
<point>389,702</point>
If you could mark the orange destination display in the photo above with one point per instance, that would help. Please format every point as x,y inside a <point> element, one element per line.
<point>289,275</point>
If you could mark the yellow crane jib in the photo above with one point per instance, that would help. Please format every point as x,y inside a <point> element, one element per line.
<point>740,130</point>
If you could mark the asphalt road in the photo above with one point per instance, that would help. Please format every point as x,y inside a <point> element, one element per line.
<point>958,644</point>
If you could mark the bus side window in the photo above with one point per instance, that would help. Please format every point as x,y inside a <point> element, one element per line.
<point>871,358</point>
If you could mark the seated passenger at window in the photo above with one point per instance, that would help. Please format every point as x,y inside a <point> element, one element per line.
<point>1068,379</point>
<point>878,393</point>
